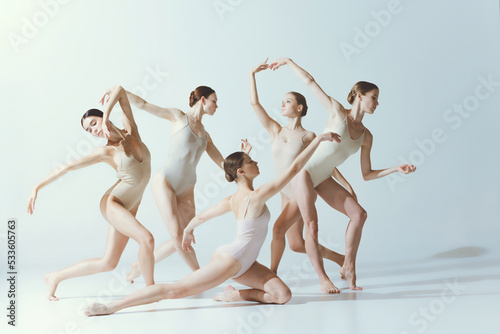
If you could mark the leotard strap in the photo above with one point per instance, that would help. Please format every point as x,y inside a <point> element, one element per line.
<point>248,202</point>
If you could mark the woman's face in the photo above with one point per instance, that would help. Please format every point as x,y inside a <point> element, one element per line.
<point>289,106</point>
<point>93,125</point>
<point>210,104</point>
<point>369,101</point>
<point>250,167</point>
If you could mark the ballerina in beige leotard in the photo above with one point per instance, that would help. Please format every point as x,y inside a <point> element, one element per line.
<point>287,143</point>
<point>126,153</point>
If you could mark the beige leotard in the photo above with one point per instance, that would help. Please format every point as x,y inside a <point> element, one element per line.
<point>283,156</point>
<point>133,178</point>
<point>329,155</point>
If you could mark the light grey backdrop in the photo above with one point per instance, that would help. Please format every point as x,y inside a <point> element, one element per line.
<point>436,63</point>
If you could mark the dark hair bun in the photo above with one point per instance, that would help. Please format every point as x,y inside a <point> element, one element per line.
<point>192,99</point>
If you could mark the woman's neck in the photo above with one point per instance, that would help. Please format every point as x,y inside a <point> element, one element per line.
<point>294,124</point>
<point>356,114</point>
<point>245,184</point>
<point>197,112</point>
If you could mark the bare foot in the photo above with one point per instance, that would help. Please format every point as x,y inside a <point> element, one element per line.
<point>350,275</point>
<point>134,273</point>
<point>341,271</point>
<point>97,309</point>
<point>229,295</point>
<point>52,282</point>
<point>328,287</point>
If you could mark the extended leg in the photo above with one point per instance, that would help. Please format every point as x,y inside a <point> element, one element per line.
<point>114,248</point>
<point>286,219</point>
<point>306,196</point>
<point>167,203</point>
<point>341,200</point>
<point>219,269</point>
<point>125,222</point>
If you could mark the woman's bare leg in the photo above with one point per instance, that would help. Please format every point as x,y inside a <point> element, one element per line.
<point>125,222</point>
<point>218,270</point>
<point>115,245</point>
<point>168,203</point>
<point>297,244</point>
<point>186,212</point>
<point>289,214</point>
<point>266,287</point>
<point>114,248</point>
<point>162,252</point>
<point>306,196</point>
<point>341,200</point>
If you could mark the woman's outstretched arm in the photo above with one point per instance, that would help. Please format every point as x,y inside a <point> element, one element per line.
<point>269,189</point>
<point>170,114</point>
<point>366,165</point>
<point>333,106</point>
<point>271,126</point>
<point>223,207</point>
<point>100,154</point>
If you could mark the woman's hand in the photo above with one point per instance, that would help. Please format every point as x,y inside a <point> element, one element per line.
<point>106,124</point>
<point>245,146</point>
<point>106,95</point>
<point>330,136</point>
<point>278,63</point>
<point>31,203</point>
<point>261,67</point>
<point>187,239</point>
<point>406,169</point>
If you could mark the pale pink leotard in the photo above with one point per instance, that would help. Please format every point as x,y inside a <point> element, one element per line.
<point>249,239</point>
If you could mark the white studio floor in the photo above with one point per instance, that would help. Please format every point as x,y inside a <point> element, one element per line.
<point>456,291</point>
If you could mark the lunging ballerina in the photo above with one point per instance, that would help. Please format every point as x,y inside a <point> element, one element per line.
<point>126,153</point>
<point>315,177</point>
<point>238,259</point>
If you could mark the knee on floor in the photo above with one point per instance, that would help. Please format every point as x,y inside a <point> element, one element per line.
<point>283,295</point>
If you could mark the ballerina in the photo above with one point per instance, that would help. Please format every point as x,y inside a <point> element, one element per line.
<point>173,185</point>
<point>286,144</point>
<point>127,154</point>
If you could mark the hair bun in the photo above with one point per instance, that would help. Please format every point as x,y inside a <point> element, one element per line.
<point>229,178</point>
<point>192,99</point>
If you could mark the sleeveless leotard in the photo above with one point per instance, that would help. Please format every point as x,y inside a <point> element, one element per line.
<point>249,239</point>
<point>283,156</point>
<point>133,178</point>
<point>186,149</point>
<point>329,155</point>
